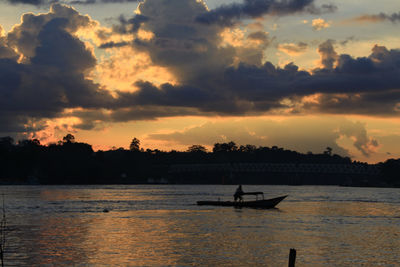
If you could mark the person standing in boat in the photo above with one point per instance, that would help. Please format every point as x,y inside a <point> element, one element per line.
<point>238,193</point>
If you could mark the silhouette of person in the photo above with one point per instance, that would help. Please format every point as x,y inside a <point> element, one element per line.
<point>238,193</point>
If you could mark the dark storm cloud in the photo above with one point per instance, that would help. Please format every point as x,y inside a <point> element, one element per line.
<point>372,103</point>
<point>166,95</point>
<point>211,82</point>
<point>227,15</point>
<point>25,37</point>
<point>113,44</point>
<point>377,73</point>
<point>188,49</point>
<point>27,2</point>
<point>70,2</point>
<point>60,49</point>
<point>51,77</point>
<point>367,85</point>
<point>210,78</point>
<point>184,97</point>
<point>90,2</point>
<point>90,118</point>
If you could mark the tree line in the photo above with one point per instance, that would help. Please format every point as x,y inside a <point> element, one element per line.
<point>71,162</point>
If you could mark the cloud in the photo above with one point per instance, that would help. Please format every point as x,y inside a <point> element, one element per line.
<point>326,8</point>
<point>188,49</point>
<point>228,15</point>
<point>345,84</point>
<point>90,2</point>
<point>120,70</point>
<point>69,2</point>
<point>348,40</point>
<point>319,24</point>
<point>5,51</point>
<point>44,71</point>
<point>25,37</point>
<point>27,2</point>
<point>246,47</point>
<point>328,54</point>
<point>91,118</point>
<point>113,44</point>
<point>293,49</point>
<point>259,36</point>
<point>165,95</point>
<point>356,130</point>
<point>312,134</point>
<point>220,79</point>
<point>394,18</point>
<point>51,76</point>
<point>131,25</point>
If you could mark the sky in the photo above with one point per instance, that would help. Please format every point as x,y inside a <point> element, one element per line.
<point>299,74</point>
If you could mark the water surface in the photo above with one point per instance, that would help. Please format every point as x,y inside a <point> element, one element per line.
<point>160,225</point>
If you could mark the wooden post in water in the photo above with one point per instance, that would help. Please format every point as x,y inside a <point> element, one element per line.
<point>292,257</point>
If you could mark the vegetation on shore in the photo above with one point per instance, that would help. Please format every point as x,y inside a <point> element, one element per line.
<point>72,162</point>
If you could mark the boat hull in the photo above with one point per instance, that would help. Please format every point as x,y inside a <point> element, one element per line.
<point>260,204</point>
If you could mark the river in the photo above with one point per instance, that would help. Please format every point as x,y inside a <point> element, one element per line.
<point>160,225</point>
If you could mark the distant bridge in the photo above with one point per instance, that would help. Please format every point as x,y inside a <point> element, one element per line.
<point>283,168</point>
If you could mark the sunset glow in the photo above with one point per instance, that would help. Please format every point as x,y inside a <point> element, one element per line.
<point>175,73</point>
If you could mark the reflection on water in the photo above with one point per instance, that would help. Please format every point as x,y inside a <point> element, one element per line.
<point>161,226</point>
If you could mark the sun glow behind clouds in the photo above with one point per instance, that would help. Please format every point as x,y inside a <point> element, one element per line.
<point>121,69</point>
<point>192,76</point>
<point>301,133</point>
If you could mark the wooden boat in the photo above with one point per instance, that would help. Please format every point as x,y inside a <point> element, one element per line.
<point>260,204</point>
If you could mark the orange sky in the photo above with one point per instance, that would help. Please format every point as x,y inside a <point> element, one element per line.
<point>158,74</point>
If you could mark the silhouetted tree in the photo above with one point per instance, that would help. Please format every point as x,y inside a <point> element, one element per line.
<point>6,143</point>
<point>135,145</point>
<point>247,148</point>
<point>196,149</point>
<point>69,138</point>
<point>6,140</point>
<point>29,143</point>
<point>72,162</point>
<point>390,171</point>
<point>225,147</point>
<point>328,151</point>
